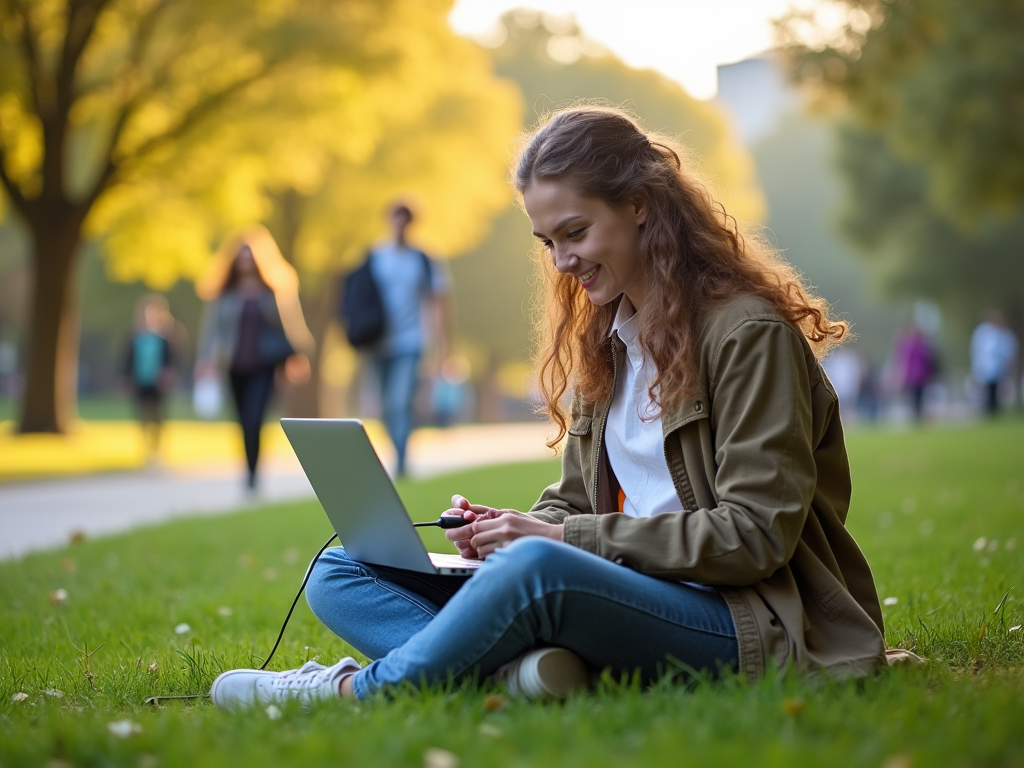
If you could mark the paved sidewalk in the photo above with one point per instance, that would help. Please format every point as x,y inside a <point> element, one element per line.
<point>48,513</point>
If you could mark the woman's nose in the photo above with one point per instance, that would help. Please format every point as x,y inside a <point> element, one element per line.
<point>565,259</point>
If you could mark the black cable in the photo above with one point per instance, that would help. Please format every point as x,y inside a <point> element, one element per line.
<point>155,700</point>
<point>298,594</point>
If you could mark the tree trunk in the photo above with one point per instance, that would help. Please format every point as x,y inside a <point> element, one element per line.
<point>50,401</point>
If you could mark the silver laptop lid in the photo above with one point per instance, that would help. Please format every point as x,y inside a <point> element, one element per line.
<point>356,493</point>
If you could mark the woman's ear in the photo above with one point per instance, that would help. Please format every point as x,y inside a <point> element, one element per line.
<point>639,210</point>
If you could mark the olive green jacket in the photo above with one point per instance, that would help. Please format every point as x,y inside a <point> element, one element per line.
<point>757,455</point>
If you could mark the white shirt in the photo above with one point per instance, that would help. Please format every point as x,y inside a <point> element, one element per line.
<point>404,285</point>
<point>993,350</point>
<point>633,434</point>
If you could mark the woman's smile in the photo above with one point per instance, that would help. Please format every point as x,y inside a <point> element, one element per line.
<point>586,279</point>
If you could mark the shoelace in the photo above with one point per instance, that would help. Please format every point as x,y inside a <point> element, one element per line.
<point>309,675</point>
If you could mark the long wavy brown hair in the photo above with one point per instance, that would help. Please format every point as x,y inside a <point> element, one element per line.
<point>692,251</point>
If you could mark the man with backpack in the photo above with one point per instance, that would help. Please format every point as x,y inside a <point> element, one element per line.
<point>391,307</point>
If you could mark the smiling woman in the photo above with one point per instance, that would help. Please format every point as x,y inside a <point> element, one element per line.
<point>699,521</point>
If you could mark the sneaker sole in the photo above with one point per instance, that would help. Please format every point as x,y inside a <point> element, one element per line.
<point>561,672</point>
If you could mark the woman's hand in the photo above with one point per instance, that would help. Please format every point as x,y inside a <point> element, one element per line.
<point>491,529</point>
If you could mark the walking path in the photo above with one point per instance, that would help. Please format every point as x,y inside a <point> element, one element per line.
<point>45,514</point>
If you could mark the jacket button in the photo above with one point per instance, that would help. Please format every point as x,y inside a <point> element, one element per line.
<point>698,407</point>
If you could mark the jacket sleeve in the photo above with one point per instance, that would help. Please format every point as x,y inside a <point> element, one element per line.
<point>568,496</point>
<point>761,424</point>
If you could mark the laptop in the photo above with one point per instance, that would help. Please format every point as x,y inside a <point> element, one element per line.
<point>360,500</point>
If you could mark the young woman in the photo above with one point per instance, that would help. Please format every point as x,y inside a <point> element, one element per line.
<point>699,520</point>
<point>253,327</point>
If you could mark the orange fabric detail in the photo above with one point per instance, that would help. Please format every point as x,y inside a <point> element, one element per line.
<point>622,500</point>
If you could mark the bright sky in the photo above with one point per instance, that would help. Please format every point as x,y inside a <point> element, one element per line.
<point>683,39</point>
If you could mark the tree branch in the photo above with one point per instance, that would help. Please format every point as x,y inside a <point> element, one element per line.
<point>30,51</point>
<point>81,23</point>
<point>140,44</point>
<point>190,119</point>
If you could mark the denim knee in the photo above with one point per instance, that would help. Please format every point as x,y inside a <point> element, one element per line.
<point>322,587</point>
<point>529,559</point>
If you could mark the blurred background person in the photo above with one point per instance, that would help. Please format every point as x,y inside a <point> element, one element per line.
<point>451,396</point>
<point>414,290</point>
<point>869,391</point>
<point>843,367</point>
<point>253,327</point>
<point>993,355</point>
<point>149,368</point>
<point>915,364</point>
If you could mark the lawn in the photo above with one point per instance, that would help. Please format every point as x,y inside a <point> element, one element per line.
<point>88,632</point>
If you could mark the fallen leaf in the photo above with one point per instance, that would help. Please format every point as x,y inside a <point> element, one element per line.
<point>793,707</point>
<point>439,758</point>
<point>20,696</point>
<point>124,728</point>
<point>495,702</point>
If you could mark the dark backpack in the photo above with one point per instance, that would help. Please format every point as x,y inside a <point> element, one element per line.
<point>361,310</point>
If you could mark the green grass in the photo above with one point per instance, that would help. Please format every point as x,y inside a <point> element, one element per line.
<point>939,512</point>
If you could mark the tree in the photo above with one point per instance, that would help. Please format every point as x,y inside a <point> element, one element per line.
<point>939,79</point>
<point>933,98</point>
<point>96,93</point>
<point>493,316</point>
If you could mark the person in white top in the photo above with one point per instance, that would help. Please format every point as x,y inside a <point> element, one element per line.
<point>993,354</point>
<point>413,288</point>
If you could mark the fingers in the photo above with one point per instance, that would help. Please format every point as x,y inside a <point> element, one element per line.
<point>461,502</point>
<point>490,535</point>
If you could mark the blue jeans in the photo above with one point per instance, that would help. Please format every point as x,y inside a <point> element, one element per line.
<point>397,375</point>
<point>535,592</point>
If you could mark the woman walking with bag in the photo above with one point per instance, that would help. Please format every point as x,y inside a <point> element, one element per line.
<point>699,522</point>
<point>253,327</point>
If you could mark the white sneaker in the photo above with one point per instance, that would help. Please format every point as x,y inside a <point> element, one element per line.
<point>544,673</point>
<point>311,682</point>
